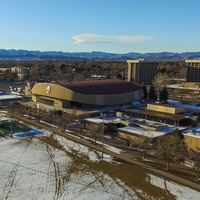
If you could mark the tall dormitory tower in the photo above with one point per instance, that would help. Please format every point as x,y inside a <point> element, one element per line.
<point>142,71</point>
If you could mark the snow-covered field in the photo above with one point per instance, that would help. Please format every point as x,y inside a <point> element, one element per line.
<point>51,167</point>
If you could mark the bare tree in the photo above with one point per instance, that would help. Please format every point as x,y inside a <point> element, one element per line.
<point>64,121</point>
<point>195,156</point>
<point>79,77</point>
<point>34,73</point>
<point>171,148</point>
<point>51,115</point>
<point>81,120</point>
<point>159,82</point>
<point>144,143</point>
<point>95,129</point>
<point>73,116</point>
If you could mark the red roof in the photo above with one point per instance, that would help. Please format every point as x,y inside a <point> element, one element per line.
<point>108,86</point>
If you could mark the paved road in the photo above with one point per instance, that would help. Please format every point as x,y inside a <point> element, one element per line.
<point>127,157</point>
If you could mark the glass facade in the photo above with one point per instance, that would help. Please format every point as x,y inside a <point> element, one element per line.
<point>142,72</point>
<point>45,101</point>
<point>193,70</point>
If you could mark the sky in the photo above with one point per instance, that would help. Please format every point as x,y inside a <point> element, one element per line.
<point>115,26</point>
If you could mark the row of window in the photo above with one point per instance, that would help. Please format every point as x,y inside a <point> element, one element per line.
<point>45,101</point>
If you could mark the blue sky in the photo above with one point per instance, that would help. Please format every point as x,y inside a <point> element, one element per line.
<point>117,26</point>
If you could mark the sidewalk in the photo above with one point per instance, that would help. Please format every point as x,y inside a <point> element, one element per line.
<point>127,157</point>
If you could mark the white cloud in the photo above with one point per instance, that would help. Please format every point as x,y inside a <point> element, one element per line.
<point>92,38</point>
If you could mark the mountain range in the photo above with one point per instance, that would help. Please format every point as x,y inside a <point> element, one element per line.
<point>57,55</point>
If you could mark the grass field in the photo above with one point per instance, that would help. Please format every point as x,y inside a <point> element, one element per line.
<point>14,127</point>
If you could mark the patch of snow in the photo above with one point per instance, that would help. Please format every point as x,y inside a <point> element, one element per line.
<point>179,191</point>
<point>178,103</point>
<point>46,176</point>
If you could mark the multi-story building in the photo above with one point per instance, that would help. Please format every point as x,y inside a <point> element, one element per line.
<point>192,138</point>
<point>142,71</point>
<point>193,70</point>
<point>160,115</point>
<point>165,108</point>
<point>22,72</point>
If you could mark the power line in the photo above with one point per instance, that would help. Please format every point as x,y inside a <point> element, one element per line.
<point>60,177</point>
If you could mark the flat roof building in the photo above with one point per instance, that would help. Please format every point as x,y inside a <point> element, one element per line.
<point>142,71</point>
<point>163,113</point>
<point>6,99</point>
<point>137,135</point>
<point>192,138</point>
<point>166,108</point>
<point>193,70</point>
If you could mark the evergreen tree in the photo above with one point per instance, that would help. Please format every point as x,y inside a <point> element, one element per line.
<point>119,76</point>
<point>145,91</point>
<point>164,94</point>
<point>152,93</point>
<point>178,133</point>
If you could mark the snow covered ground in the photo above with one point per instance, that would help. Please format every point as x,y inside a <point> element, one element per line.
<point>51,167</point>
<point>186,105</point>
<point>31,168</point>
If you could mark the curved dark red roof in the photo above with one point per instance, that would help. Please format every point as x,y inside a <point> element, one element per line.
<point>108,86</point>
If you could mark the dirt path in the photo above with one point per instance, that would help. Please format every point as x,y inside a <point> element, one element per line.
<point>127,157</point>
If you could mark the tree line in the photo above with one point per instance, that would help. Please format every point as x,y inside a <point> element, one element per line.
<point>66,70</point>
<point>69,70</point>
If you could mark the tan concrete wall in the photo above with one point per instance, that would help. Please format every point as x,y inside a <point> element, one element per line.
<point>192,61</point>
<point>192,141</point>
<point>130,72</point>
<point>131,138</point>
<point>165,108</point>
<point>63,93</point>
<point>58,104</point>
<point>34,98</point>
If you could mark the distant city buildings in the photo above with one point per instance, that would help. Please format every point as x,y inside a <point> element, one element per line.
<point>142,71</point>
<point>193,70</point>
<point>22,72</point>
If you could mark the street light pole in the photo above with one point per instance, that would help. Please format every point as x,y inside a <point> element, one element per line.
<point>11,128</point>
<point>11,125</point>
<point>102,139</point>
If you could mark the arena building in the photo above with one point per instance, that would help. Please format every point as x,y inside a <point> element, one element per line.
<point>108,92</point>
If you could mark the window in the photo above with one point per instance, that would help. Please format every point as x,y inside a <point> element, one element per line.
<point>46,101</point>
